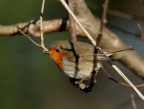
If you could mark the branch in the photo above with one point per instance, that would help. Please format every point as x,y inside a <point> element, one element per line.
<point>33,29</point>
<point>133,101</point>
<point>41,28</point>
<point>78,22</point>
<point>92,24</point>
<point>72,22</point>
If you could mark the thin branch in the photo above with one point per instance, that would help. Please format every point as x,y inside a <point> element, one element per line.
<point>27,36</point>
<point>41,45</point>
<point>116,13</point>
<point>122,15</point>
<point>72,22</point>
<point>104,14</point>
<point>78,23</point>
<point>41,27</point>
<point>133,101</point>
<point>141,31</point>
<point>103,20</point>
<point>119,82</point>
<point>128,81</point>
<point>35,43</point>
<point>33,29</point>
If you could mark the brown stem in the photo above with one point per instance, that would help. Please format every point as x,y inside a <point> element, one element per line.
<point>72,22</point>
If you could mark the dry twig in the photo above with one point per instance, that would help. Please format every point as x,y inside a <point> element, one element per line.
<point>103,20</point>
<point>41,45</point>
<point>128,81</point>
<point>133,101</point>
<point>72,22</point>
<point>41,28</point>
<point>78,23</point>
<point>141,31</point>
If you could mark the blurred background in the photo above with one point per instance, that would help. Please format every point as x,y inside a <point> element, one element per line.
<point>29,79</point>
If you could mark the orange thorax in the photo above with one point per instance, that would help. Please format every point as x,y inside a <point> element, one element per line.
<point>57,56</point>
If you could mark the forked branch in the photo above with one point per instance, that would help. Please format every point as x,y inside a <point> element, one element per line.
<point>41,45</point>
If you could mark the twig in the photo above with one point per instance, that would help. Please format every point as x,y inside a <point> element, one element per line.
<point>35,43</point>
<point>133,101</point>
<point>27,36</point>
<point>121,15</point>
<point>128,81</point>
<point>102,23</point>
<point>103,20</point>
<point>141,31</point>
<point>41,45</point>
<point>72,22</point>
<point>78,23</point>
<point>104,14</point>
<point>116,13</point>
<point>41,27</point>
<point>119,82</point>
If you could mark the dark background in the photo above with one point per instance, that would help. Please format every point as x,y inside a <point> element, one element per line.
<point>29,79</point>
